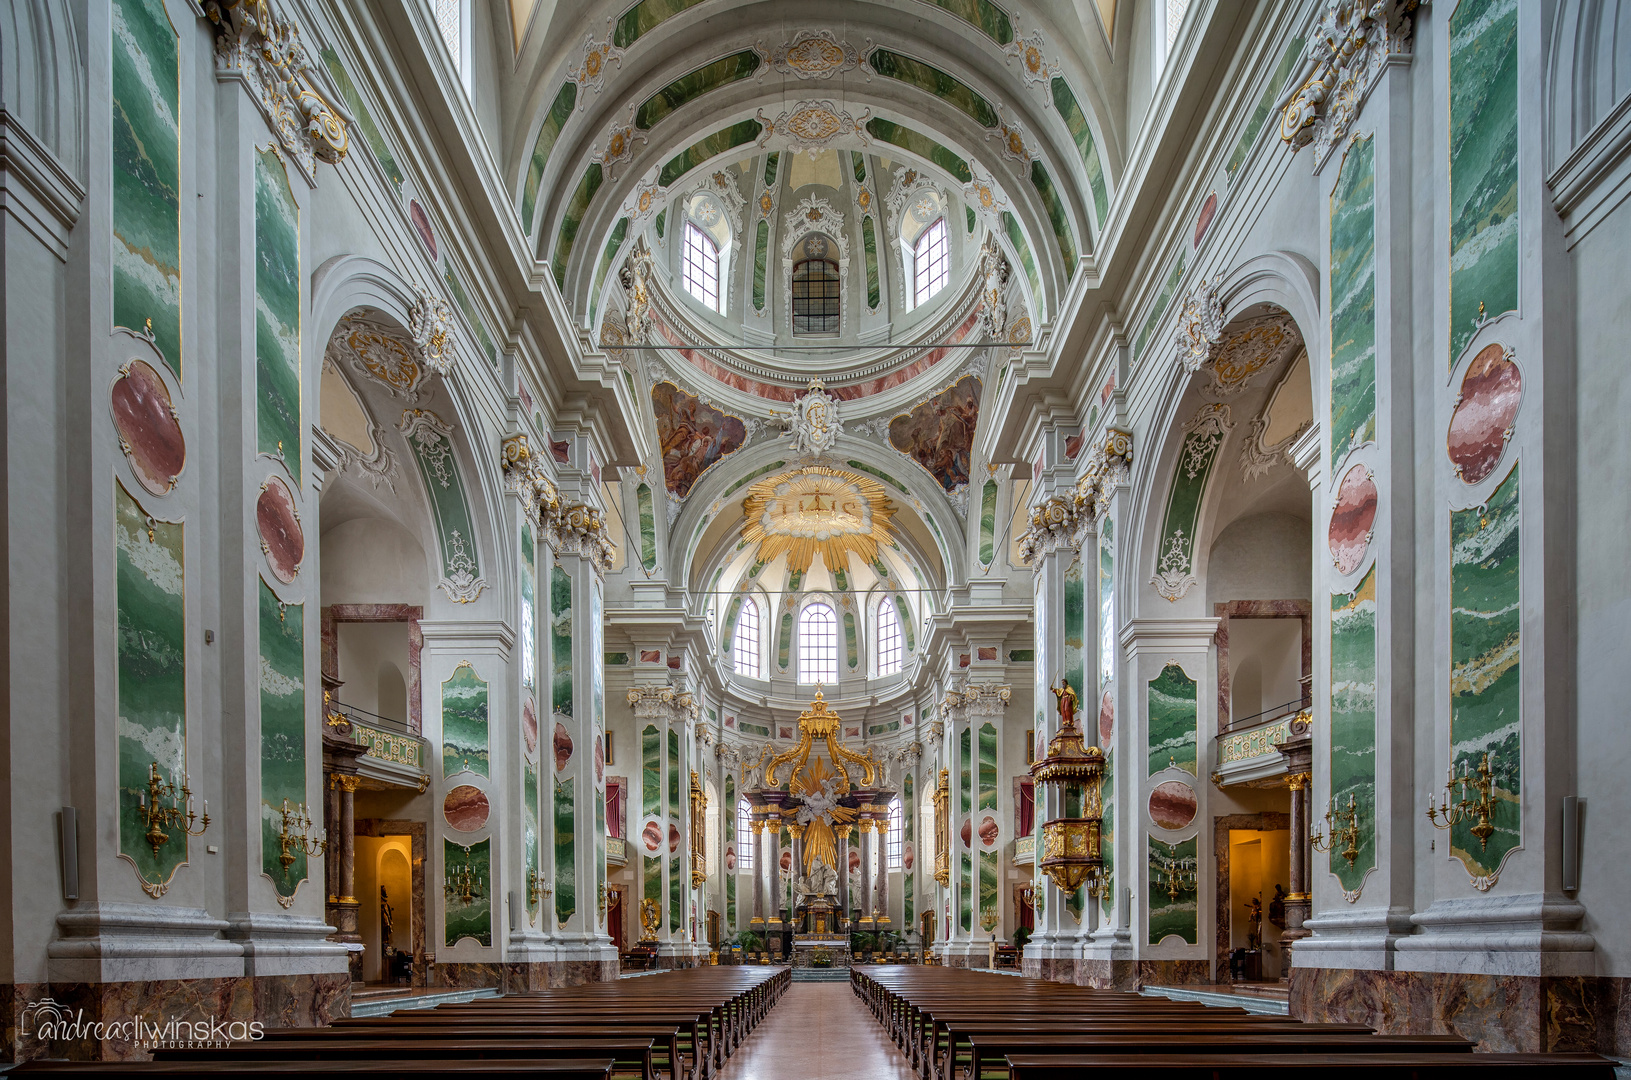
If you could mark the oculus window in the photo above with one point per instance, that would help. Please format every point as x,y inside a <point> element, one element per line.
<point>746,645</point>
<point>818,644</point>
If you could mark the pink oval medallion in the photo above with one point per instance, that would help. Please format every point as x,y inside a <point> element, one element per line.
<point>421,225</point>
<point>1172,804</point>
<point>651,836</point>
<point>1209,210</point>
<point>968,830</point>
<point>908,856</point>
<point>1107,718</point>
<point>465,808</point>
<point>529,727</point>
<point>1352,519</point>
<point>730,858</point>
<point>149,433</point>
<point>282,538</point>
<point>1482,422</point>
<point>600,757</point>
<point>563,746</point>
<point>988,832</point>
<point>674,840</point>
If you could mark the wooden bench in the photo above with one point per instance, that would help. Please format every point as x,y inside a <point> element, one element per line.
<point>1325,1066</point>
<point>554,1069</point>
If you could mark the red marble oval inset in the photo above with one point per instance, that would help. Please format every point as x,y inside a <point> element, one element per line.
<point>1482,422</point>
<point>563,746</point>
<point>149,433</point>
<point>988,832</point>
<point>674,840</point>
<point>968,828</point>
<point>282,538</point>
<point>529,726</point>
<point>908,856</point>
<point>730,858</point>
<point>1352,519</point>
<point>651,836</point>
<point>1209,210</point>
<point>421,225</point>
<point>1172,805</point>
<point>600,758</point>
<point>465,808</point>
<point>1107,718</point>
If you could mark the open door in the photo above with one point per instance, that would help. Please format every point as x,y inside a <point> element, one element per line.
<point>614,917</point>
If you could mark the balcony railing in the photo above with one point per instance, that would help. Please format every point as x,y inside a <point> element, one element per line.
<point>617,850</point>
<point>1249,749</point>
<point>395,754</point>
<point>1024,849</point>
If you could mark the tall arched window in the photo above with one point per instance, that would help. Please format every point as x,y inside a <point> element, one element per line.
<point>931,265</point>
<point>890,652</point>
<point>699,266</point>
<point>744,835</point>
<point>897,834</point>
<point>818,644</point>
<point>815,289</point>
<point>746,644</point>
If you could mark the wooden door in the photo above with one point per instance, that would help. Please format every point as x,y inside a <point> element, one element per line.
<point>614,916</point>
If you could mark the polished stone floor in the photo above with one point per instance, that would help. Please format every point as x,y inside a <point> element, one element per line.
<point>818,1031</point>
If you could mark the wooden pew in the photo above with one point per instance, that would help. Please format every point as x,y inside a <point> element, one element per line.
<point>559,1069</point>
<point>1325,1066</point>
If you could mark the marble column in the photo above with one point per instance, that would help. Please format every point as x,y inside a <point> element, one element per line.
<point>776,890</point>
<point>1298,752</point>
<point>882,888</point>
<point>761,858</point>
<point>344,908</point>
<point>843,833</point>
<point>796,832</point>
<point>868,831</point>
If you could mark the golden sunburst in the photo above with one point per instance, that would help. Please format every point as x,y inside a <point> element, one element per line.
<point>816,509</point>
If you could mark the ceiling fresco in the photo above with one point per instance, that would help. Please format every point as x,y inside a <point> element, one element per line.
<point>939,433</point>
<point>691,436</point>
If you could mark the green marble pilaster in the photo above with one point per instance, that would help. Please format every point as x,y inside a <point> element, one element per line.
<point>1353,301</point>
<point>560,110</point>
<point>529,824</point>
<point>282,733</point>
<point>472,919</point>
<point>464,723</point>
<point>560,629</point>
<point>1353,725</point>
<point>1172,916</point>
<point>278,405</point>
<point>1174,714</point>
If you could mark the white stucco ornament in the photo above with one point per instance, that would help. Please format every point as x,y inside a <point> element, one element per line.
<point>1200,327</point>
<point>815,425</point>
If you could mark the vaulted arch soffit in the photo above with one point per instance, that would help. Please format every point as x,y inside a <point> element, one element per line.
<point>602,121</point>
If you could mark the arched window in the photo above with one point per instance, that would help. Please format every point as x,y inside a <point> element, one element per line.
<point>890,652</point>
<point>931,265</point>
<point>699,266</point>
<point>745,646</point>
<point>897,834</point>
<point>744,835</point>
<point>815,289</point>
<point>818,644</point>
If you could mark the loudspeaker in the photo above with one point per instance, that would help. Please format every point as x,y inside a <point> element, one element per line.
<point>511,906</point>
<point>1573,806</point>
<point>68,851</point>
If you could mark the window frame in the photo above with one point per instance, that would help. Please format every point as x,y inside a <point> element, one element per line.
<point>808,647</point>
<point>891,639</point>
<point>832,321</point>
<point>895,839</point>
<point>757,650</point>
<point>744,827</point>
<point>931,269</point>
<point>696,238</point>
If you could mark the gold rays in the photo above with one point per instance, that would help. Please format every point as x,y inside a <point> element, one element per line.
<point>816,509</point>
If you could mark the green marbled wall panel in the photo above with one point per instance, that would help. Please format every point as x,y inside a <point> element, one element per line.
<point>676,887</point>
<point>966,902</point>
<point>576,208</point>
<point>644,16</point>
<point>1353,301</point>
<point>1075,626</point>
<point>1158,311</point>
<point>1173,715</point>
<point>529,610</point>
<point>1486,707</point>
<point>566,869</point>
<point>905,614</point>
<point>869,243</point>
<point>529,826</point>
<point>648,526</point>
<point>1107,835</point>
<point>738,134</point>
<point>761,252</point>
<point>560,633</point>
<point>753,729</point>
<point>884,729</point>
<point>693,85</point>
<point>1022,247</point>
<point>1483,165</point>
<point>464,723</point>
<point>662,216</point>
<point>1082,134</point>
<point>1107,609</point>
<point>921,145</point>
<point>283,731</point>
<point>852,650</point>
<point>990,878</point>
<point>461,300</point>
<point>365,119</point>
<point>475,919</point>
<point>651,882</point>
<point>909,838</point>
<point>146,250</point>
<point>676,785</point>
<point>965,799</point>
<point>988,767</point>
<point>1058,216</point>
<point>727,813</point>
<point>1176,564</point>
<point>560,110</point>
<point>1265,106</point>
<point>727,633</point>
<point>988,523</point>
<point>651,772</point>
<point>614,244</point>
<point>1172,916</point>
<point>983,15</point>
<point>438,468</point>
<point>277,314</point>
<point>784,640</point>
<point>926,77</point>
<point>772,159</point>
<point>1353,722</point>
<point>151,646</point>
<point>858,163</point>
<point>970,218</point>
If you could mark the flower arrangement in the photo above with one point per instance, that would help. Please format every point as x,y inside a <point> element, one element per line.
<point>821,958</point>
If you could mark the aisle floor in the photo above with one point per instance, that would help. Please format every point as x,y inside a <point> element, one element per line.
<point>818,1031</point>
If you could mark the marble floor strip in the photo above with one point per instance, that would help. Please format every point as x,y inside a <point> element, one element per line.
<point>818,1031</point>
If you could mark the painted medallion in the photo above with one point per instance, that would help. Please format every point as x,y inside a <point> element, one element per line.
<point>1352,519</point>
<point>282,539</point>
<point>1484,413</point>
<point>1172,804</point>
<point>149,432</point>
<point>465,808</point>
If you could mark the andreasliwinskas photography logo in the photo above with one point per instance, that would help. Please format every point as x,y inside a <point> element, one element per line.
<point>51,1021</point>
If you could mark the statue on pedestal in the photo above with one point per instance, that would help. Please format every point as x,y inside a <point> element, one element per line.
<point>822,880</point>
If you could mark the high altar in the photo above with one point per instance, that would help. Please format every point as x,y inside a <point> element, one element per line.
<point>819,804</point>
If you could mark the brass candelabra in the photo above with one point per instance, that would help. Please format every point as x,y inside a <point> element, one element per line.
<point>463,882</point>
<point>537,888</point>
<point>1344,831</point>
<point>1180,879</point>
<point>295,835</point>
<point>988,920</point>
<point>1480,806</point>
<point>158,817</point>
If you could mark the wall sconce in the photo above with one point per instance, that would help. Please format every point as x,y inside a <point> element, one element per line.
<point>537,888</point>
<point>463,882</point>
<point>1180,878</point>
<point>158,818</point>
<point>296,835</point>
<point>1481,806</point>
<point>1344,826</point>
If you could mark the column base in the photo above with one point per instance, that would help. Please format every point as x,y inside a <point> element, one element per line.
<point>1501,1013</point>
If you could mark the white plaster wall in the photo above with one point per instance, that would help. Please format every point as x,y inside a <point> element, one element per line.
<point>364,651</point>
<point>1261,557</point>
<point>373,561</point>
